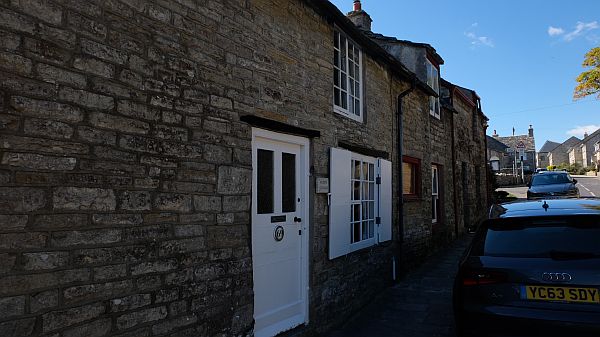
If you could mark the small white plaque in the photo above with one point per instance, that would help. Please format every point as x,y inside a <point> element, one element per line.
<point>322,185</point>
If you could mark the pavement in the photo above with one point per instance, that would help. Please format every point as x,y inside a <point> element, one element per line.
<point>419,305</point>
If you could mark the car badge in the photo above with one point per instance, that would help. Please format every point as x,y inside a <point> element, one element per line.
<point>557,277</point>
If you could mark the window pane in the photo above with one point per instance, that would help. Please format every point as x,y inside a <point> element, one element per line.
<point>371,229</point>
<point>288,182</point>
<point>356,232</point>
<point>371,172</point>
<point>336,77</point>
<point>336,40</point>
<point>356,189</point>
<point>371,191</point>
<point>365,191</point>
<point>356,169</point>
<point>357,107</point>
<point>336,96</point>
<point>365,171</point>
<point>365,230</point>
<point>356,212</point>
<point>344,97</point>
<point>264,177</point>
<point>407,178</point>
<point>365,210</point>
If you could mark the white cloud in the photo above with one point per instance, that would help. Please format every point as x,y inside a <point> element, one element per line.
<point>477,40</point>
<point>581,130</point>
<point>554,31</point>
<point>581,29</point>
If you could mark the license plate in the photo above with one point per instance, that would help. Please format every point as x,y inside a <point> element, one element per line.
<point>561,294</point>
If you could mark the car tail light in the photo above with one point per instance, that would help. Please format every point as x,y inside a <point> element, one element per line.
<point>474,277</point>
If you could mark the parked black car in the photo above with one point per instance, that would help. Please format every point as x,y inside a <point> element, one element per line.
<point>552,184</point>
<point>533,269</point>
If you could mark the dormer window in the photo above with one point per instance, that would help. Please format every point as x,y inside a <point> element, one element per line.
<point>433,80</point>
<point>347,78</point>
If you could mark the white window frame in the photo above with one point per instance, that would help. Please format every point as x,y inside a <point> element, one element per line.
<point>341,203</point>
<point>343,75</point>
<point>433,80</point>
<point>370,240</point>
<point>435,193</point>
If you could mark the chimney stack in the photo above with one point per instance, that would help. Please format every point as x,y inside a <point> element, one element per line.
<point>495,134</point>
<point>585,135</point>
<point>530,131</point>
<point>359,17</point>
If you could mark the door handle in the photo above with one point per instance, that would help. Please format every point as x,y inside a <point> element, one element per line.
<point>297,219</point>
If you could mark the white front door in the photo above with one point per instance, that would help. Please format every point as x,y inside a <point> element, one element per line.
<point>279,231</point>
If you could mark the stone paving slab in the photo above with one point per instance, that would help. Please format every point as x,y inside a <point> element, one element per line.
<point>419,305</point>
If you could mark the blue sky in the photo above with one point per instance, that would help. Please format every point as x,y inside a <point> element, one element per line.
<point>522,57</point>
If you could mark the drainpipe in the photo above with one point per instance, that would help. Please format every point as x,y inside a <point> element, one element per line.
<point>400,155</point>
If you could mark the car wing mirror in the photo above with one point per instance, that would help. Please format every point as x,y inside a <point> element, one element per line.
<point>574,181</point>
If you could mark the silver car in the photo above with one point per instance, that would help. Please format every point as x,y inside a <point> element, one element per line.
<point>533,269</point>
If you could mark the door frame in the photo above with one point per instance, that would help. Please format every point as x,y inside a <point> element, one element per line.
<point>304,157</point>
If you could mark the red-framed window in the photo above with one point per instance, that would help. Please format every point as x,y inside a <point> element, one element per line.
<point>411,177</point>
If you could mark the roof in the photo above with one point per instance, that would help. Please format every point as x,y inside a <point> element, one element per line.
<point>549,146</point>
<point>427,46</point>
<point>569,143</point>
<point>513,141</point>
<point>494,144</point>
<point>333,15</point>
<point>592,135</point>
<point>550,207</point>
<point>466,94</point>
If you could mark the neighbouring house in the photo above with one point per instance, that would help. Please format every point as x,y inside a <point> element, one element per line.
<point>543,160</point>
<point>520,152</point>
<point>468,125</point>
<point>575,157</point>
<point>560,154</point>
<point>496,151</point>
<point>588,148</point>
<point>596,156</point>
<point>220,168</point>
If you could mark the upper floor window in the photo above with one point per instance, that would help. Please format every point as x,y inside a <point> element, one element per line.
<point>347,77</point>
<point>433,80</point>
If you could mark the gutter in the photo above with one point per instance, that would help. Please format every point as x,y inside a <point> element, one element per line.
<point>400,161</point>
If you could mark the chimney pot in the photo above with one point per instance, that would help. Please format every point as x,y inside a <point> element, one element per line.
<point>359,17</point>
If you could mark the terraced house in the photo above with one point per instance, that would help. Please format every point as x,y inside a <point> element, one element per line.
<point>215,168</point>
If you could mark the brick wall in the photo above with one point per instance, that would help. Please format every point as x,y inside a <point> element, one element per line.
<point>125,173</point>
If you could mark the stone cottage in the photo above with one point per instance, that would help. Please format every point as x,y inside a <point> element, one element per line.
<point>468,151</point>
<point>520,150</point>
<point>211,168</point>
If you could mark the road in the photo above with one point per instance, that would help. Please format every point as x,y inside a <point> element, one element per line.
<point>588,187</point>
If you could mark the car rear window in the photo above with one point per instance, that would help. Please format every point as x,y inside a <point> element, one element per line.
<point>565,238</point>
<point>548,179</point>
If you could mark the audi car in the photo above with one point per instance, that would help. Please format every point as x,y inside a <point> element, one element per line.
<point>532,269</point>
<point>552,184</point>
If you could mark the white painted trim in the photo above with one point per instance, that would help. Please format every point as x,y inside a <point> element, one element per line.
<point>304,143</point>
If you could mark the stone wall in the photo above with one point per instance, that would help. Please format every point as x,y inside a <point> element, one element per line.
<point>441,155</point>
<point>125,173</point>
<point>471,168</point>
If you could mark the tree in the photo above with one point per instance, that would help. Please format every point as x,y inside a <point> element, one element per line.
<point>589,81</point>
